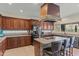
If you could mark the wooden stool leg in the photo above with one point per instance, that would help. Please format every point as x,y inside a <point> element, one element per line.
<point>72,51</point>
<point>69,52</point>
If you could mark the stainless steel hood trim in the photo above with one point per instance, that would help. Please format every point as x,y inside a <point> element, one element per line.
<point>50,18</point>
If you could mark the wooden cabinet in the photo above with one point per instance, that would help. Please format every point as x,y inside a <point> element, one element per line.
<point>0,22</point>
<point>21,24</point>
<point>15,42</point>
<point>21,42</point>
<point>1,50</point>
<point>16,24</point>
<point>3,23</point>
<point>3,46</point>
<point>10,23</point>
<point>28,40</point>
<point>28,24</point>
<point>9,43</point>
<point>37,48</point>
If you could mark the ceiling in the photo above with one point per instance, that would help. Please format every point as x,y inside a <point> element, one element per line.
<point>32,10</point>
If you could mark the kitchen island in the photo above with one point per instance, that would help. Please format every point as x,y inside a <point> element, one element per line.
<point>40,43</point>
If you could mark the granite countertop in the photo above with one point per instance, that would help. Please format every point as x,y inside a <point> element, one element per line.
<point>47,41</point>
<point>76,34</point>
<point>2,38</point>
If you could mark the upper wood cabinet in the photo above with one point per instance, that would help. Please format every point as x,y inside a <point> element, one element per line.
<point>21,24</point>
<point>10,23</point>
<point>49,9</point>
<point>17,24</point>
<point>0,22</point>
<point>28,24</point>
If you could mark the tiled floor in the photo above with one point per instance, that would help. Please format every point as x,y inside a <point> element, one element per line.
<point>22,51</point>
<point>28,51</point>
<point>76,52</point>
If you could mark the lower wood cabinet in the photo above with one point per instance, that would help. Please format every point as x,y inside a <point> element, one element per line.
<point>1,50</point>
<point>28,40</point>
<point>21,41</point>
<point>15,42</point>
<point>3,46</point>
<point>12,42</point>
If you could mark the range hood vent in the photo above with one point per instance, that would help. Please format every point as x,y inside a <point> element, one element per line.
<point>50,18</point>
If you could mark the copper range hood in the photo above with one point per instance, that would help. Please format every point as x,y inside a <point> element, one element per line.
<point>50,12</point>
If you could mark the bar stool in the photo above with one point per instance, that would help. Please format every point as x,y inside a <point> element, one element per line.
<point>72,40</point>
<point>65,47</point>
<point>54,50</point>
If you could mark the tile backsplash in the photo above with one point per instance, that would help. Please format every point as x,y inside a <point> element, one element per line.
<point>11,32</point>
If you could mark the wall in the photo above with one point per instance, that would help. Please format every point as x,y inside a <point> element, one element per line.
<point>57,27</point>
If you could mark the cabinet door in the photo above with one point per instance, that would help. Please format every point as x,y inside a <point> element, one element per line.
<point>3,22</point>
<point>1,50</point>
<point>21,25</point>
<point>4,45</point>
<point>16,24</point>
<point>28,40</point>
<point>12,43</point>
<point>9,43</point>
<point>7,24</point>
<point>22,42</point>
<point>0,22</point>
<point>15,42</point>
<point>11,24</point>
<point>28,25</point>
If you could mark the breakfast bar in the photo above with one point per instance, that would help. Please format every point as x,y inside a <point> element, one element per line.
<point>40,43</point>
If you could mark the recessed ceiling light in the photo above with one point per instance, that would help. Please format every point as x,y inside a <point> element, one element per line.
<point>10,3</point>
<point>21,11</point>
<point>35,3</point>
